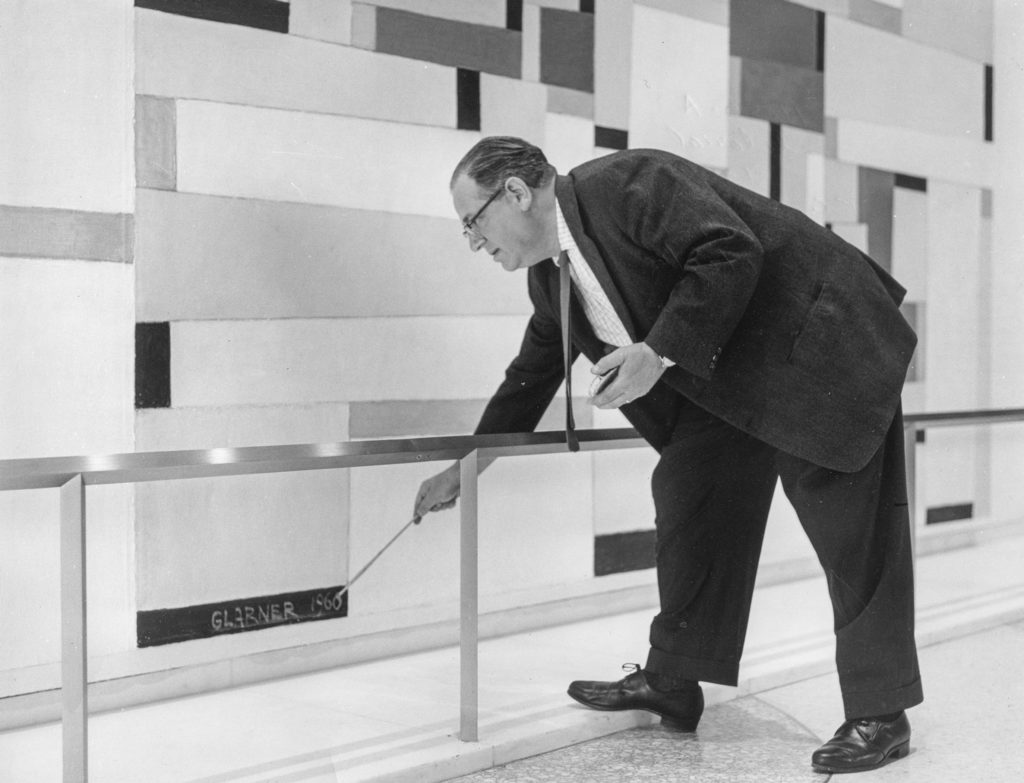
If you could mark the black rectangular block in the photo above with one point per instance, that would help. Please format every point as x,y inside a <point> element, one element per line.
<point>618,552</point>
<point>262,14</point>
<point>167,626</point>
<point>153,365</point>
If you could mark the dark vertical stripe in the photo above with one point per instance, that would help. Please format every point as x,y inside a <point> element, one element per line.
<point>261,14</point>
<point>874,208</point>
<point>587,6</point>
<point>988,103</point>
<point>153,365</point>
<point>612,138</point>
<point>514,14</point>
<point>776,162</point>
<point>468,94</point>
<point>820,56</point>
<point>911,183</point>
<point>620,552</point>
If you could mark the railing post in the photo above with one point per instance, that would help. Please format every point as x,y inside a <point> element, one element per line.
<point>74,652</point>
<point>910,455</point>
<point>468,627</point>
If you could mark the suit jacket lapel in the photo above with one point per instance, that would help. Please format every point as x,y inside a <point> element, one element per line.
<point>566,196</point>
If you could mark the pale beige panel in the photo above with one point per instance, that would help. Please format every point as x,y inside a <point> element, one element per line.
<point>750,154</point>
<point>952,293</point>
<point>1006,314</point>
<point>154,142</point>
<point>613,41</point>
<point>30,577</point>
<point>964,28</point>
<point>815,208</point>
<point>679,86</point>
<point>40,232</point>
<point>562,100</point>
<point>535,529</point>
<point>564,5</point>
<point>569,141</point>
<point>409,418</point>
<point>886,147</point>
<point>181,57</point>
<point>531,43</point>
<point>840,192</point>
<point>838,7</point>
<point>715,11</point>
<point>854,233</point>
<point>66,335</point>
<point>487,12</point>
<point>901,83</point>
<point>67,338</point>
<point>66,98</point>
<point>243,151</point>
<point>622,491</point>
<point>797,146</point>
<point>300,361</point>
<point>910,242</point>
<point>784,537</point>
<point>364,26</point>
<point>206,257</point>
<point>326,20</point>
<point>953,283</point>
<point>512,107</point>
<point>204,540</point>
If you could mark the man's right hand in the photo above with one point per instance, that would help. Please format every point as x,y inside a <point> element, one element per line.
<point>437,492</point>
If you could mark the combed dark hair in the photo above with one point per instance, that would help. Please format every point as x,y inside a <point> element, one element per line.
<point>494,159</point>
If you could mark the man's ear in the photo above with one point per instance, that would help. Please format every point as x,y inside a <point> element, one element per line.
<point>520,191</point>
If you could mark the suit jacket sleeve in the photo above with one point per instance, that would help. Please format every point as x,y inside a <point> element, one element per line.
<point>670,210</point>
<point>533,377</point>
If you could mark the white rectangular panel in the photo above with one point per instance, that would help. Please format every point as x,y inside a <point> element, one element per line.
<point>298,361</point>
<point>878,77</point>
<point>680,86</point>
<point>914,152</point>
<point>315,158</point>
<point>181,57</point>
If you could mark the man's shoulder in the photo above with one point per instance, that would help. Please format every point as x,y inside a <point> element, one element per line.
<point>609,173</point>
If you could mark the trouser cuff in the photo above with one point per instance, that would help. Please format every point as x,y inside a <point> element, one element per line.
<point>868,704</point>
<point>671,664</point>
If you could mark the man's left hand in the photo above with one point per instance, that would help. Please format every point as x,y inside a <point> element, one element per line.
<point>639,369</point>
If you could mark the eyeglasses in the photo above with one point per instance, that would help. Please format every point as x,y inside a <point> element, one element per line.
<point>469,229</point>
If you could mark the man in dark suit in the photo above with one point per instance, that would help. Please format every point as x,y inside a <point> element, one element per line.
<point>748,344</point>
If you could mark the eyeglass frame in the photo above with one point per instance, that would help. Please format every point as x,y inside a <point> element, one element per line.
<point>469,229</point>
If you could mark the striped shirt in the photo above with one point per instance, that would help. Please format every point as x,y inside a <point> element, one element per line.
<point>598,308</point>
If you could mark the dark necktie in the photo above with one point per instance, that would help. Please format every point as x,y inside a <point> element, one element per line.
<point>565,283</point>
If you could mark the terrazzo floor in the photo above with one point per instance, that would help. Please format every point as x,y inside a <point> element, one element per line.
<point>396,720</point>
<point>967,730</point>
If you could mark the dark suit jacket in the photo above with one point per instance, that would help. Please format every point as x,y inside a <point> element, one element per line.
<point>776,325</point>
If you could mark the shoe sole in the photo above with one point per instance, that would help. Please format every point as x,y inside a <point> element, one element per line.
<point>669,721</point>
<point>901,750</point>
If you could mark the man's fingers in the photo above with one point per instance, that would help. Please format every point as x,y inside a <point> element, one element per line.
<point>607,362</point>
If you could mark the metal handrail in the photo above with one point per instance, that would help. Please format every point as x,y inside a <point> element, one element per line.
<point>73,474</point>
<point>134,467</point>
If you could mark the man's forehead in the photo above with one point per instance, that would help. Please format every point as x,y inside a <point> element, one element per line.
<point>465,195</point>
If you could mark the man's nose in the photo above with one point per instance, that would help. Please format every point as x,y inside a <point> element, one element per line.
<point>475,243</point>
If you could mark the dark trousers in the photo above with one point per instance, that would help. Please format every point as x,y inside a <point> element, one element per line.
<point>712,490</point>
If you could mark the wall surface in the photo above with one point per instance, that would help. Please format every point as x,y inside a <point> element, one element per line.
<point>228,224</point>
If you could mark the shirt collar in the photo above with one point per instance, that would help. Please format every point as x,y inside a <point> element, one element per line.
<point>565,240</point>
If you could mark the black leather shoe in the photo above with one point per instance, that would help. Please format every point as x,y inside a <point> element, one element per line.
<point>678,709</point>
<point>864,744</point>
